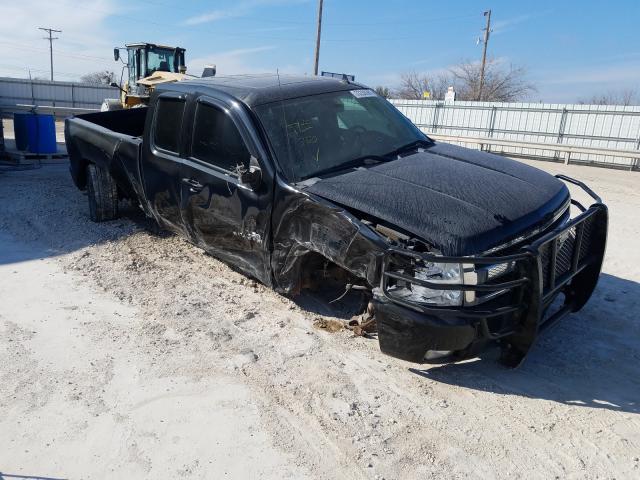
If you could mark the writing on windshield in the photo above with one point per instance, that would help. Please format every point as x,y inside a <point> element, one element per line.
<point>321,132</point>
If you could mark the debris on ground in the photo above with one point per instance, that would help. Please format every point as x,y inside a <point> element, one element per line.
<point>329,324</point>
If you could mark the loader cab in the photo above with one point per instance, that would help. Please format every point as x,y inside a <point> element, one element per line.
<point>145,59</point>
<point>147,65</point>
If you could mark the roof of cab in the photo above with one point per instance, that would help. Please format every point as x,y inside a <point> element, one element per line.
<point>156,45</point>
<point>265,88</point>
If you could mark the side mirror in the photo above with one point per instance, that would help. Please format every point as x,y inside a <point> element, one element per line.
<point>252,177</point>
<point>209,71</point>
<point>114,85</point>
<point>116,54</point>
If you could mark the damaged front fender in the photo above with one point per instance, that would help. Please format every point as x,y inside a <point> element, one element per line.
<point>305,224</point>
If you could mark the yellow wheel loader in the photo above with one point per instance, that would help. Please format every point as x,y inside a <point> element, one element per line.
<point>147,65</point>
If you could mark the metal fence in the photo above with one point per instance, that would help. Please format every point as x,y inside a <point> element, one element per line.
<point>594,126</point>
<point>65,96</point>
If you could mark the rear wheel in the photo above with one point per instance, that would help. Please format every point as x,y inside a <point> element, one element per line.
<point>102,192</point>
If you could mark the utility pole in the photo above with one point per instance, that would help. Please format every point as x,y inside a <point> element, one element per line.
<point>315,68</point>
<point>51,39</point>
<point>487,32</point>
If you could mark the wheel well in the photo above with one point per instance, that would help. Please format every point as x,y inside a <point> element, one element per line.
<point>329,289</point>
<point>316,271</point>
<point>81,175</point>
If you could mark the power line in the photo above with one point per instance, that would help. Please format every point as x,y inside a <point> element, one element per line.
<point>59,53</point>
<point>51,39</point>
<point>37,70</point>
<point>261,19</point>
<point>424,21</point>
<point>235,33</point>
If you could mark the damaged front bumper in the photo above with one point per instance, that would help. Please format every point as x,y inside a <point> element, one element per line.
<point>565,260</point>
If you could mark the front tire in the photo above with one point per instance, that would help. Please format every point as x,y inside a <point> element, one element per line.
<point>102,192</point>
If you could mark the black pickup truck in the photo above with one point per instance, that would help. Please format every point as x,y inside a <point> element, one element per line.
<point>283,177</point>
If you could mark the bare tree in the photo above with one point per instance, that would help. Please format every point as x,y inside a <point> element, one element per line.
<point>413,85</point>
<point>622,97</point>
<point>104,77</point>
<point>383,91</point>
<point>501,83</point>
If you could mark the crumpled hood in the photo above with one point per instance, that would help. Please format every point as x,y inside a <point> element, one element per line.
<point>461,201</point>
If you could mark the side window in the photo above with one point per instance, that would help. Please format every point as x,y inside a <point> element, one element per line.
<point>132,70</point>
<point>217,141</point>
<point>168,124</point>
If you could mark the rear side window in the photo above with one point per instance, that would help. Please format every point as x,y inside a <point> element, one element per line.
<point>168,124</point>
<point>216,139</point>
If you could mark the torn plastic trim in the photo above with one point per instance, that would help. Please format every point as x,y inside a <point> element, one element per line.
<point>309,224</point>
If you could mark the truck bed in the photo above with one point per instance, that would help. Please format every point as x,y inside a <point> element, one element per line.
<point>111,140</point>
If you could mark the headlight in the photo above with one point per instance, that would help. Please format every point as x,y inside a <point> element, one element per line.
<point>445,273</point>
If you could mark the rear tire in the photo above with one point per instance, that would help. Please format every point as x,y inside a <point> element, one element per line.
<point>102,192</point>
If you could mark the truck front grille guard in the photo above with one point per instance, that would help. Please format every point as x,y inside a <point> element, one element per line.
<point>567,260</point>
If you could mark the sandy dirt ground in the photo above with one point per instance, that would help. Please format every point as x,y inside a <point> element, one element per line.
<point>125,354</point>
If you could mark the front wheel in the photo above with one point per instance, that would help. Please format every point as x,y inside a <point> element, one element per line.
<point>102,192</point>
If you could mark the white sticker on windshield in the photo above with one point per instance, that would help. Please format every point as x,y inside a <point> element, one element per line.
<point>363,93</point>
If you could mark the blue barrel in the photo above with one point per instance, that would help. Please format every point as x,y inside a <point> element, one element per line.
<point>41,131</point>
<point>20,130</point>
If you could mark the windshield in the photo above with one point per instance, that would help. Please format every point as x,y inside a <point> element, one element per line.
<point>331,130</point>
<point>160,60</point>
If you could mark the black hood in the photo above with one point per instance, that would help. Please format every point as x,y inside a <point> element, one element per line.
<point>461,201</point>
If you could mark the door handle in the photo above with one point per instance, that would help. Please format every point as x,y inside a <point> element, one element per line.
<point>194,185</point>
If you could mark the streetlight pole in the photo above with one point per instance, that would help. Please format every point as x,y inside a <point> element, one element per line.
<point>315,68</point>
<point>51,39</point>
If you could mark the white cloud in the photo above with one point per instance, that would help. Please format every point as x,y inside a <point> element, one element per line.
<point>239,10</point>
<point>240,61</point>
<point>506,25</point>
<point>572,84</point>
<point>86,42</point>
<point>211,16</point>
<point>612,74</point>
<point>84,45</point>
<point>246,51</point>
<point>502,26</point>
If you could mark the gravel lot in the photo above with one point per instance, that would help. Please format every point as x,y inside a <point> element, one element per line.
<point>125,354</point>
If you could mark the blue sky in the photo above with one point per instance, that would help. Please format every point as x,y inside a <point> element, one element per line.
<point>571,49</point>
